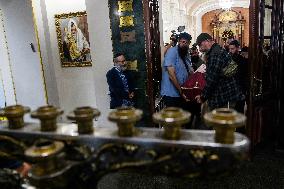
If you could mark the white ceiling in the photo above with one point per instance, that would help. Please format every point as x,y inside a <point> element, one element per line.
<point>190,3</point>
<point>189,13</point>
<point>195,7</point>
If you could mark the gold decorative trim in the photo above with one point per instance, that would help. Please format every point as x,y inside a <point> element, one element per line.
<point>8,54</point>
<point>124,6</point>
<point>132,65</point>
<point>70,15</point>
<point>126,21</point>
<point>39,52</point>
<point>127,36</point>
<point>60,42</point>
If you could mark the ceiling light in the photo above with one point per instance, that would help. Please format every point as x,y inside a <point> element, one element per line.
<point>226,4</point>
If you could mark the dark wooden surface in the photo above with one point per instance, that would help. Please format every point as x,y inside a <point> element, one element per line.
<point>265,105</point>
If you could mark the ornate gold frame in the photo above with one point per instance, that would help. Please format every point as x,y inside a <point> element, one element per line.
<point>58,17</point>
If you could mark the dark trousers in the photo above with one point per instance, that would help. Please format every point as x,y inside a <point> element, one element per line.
<point>240,105</point>
<point>173,101</point>
<point>193,107</point>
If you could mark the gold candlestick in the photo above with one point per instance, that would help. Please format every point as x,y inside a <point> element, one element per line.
<point>15,115</point>
<point>125,117</point>
<point>172,119</point>
<point>224,121</point>
<point>84,117</point>
<point>47,116</point>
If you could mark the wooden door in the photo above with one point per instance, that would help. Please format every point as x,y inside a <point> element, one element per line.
<point>266,71</point>
<point>153,51</point>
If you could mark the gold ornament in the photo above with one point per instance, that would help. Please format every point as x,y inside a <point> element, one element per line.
<point>125,6</point>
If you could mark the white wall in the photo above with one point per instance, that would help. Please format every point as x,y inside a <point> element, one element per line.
<point>2,92</point>
<point>69,87</point>
<point>77,86</point>
<point>101,45</point>
<point>41,22</point>
<point>173,15</point>
<point>25,64</point>
<point>74,85</point>
<point>6,76</point>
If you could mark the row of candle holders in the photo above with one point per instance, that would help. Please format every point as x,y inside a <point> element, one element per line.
<point>223,120</point>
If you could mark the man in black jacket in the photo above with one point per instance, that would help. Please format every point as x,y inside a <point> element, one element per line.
<point>242,71</point>
<point>219,91</point>
<point>121,90</point>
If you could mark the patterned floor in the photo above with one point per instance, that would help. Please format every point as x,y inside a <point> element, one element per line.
<point>264,171</point>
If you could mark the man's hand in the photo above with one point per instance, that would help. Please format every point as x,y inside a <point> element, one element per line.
<point>24,169</point>
<point>184,97</point>
<point>131,95</point>
<point>198,99</point>
<point>172,75</point>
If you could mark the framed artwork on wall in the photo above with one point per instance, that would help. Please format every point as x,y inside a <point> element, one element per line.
<point>73,39</point>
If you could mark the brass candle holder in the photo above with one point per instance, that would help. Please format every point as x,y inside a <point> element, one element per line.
<point>171,119</point>
<point>45,156</point>
<point>125,117</point>
<point>15,115</point>
<point>224,121</point>
<point>84,118</point>
<point>47,116</point>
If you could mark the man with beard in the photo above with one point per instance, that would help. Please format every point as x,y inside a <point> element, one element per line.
<point>219,91</point>
<point>195,58</point>
<point>121,90</point>
<point>192,106</point>
<point>175,70</point>
<point>242,71</point>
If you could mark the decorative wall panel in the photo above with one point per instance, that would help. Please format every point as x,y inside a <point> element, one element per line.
<point>127,27</point>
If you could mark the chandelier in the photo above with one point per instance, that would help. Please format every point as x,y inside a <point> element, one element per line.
<point>226,4</point>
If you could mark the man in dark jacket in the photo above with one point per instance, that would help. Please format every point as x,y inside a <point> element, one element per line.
<point>242,71</point>
<point>121,90</point>
<point>219,91</point>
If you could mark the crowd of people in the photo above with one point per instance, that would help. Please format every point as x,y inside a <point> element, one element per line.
<point>225,77</point>
<point>223,69</point>
<point>207,58</point>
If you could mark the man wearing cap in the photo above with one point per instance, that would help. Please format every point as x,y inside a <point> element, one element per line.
<point>175,70</point>
<point>219,91</point>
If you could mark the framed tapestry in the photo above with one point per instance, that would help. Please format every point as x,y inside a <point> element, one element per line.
<point>73,39</point>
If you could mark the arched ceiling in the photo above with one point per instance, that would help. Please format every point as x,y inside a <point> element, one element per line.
<point>189,13</point>
<point>200,7</point>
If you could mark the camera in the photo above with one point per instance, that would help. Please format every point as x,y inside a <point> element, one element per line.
<point>174,37</point>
